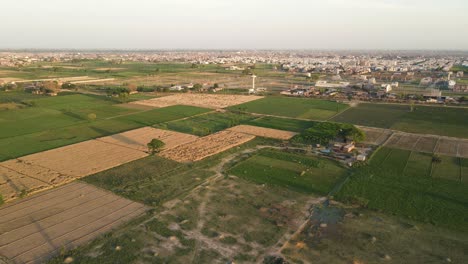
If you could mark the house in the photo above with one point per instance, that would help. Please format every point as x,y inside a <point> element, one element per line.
<point>361,157</point>
<point>176,88</point>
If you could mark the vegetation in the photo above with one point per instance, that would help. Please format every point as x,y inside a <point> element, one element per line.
<point>155,146</point>
<point>206,124</point>
<point>445,121</point>
<point>57,121</point>
<point>407,184</point>
<point>293,171</point>
<point>293,107</point>
<point>287,124</point>
<point>324,132</point>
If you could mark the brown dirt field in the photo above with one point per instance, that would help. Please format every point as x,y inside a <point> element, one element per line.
<point>36,228</point>
<point>407,141</point>
<point>463,149</point>
<point>375,136</point>
<point>138,138</point>
<point>447,147</point>
<point>393,140</point>
<point>13,184</point>
<point>263,132</point>
<point>426,144</point>
<point>206,146</point>
<point>201,100</point>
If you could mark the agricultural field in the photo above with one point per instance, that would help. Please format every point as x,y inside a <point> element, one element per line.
<point>376,136</point>
<point>453,147</point>
<point>293,107</point>
<point>214,101</point>
<point>206,146</point>
<point>39,227</point>
<point>263,132</point>
<point>53,122</point>
<point>203,125</point>
<point>412,185</point>
<point>44,170</point>
<point>444,121</point>
<point>281,123</point>
<point>138,139</point>
<point>293,171</point>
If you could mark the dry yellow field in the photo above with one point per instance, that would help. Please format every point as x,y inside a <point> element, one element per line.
<point>214,101</point>
<point>263,132</point>
<point>138,138</point>
<point>206,146</point>
<point>44,170</point>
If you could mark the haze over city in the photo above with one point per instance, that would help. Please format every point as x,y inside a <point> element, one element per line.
<point>243,24</point>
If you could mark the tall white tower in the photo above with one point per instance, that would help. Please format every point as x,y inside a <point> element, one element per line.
<point>253,82</point>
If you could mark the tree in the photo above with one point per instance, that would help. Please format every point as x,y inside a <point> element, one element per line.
<point>123,97</point>
<point>155,145</point>
<point>215,86</point>
<point>197,87</point>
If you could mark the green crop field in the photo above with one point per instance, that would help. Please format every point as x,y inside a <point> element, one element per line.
<point>445,121</point>
<point>203,125</point>
<point>297,172</point>
<point>409,184</point>
<point>52,122</point>
<point>287,124</point>
<point>293,107</point>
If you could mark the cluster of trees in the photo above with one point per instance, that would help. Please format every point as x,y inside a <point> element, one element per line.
<point>324,132</point>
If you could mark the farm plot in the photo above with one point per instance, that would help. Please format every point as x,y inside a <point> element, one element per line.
<point>263,132</point>
<point>447,147</point>
<point>412,185</point>
<point>426,144</point>
<point>200,100</point>
<point>206,146</point>
<point>405,141</point>
<point>84,158</point>
<point>293,107</point>
<point>138,138</point>
<point>36,228</point>
<point>296,172</point>
<point>376,136</point>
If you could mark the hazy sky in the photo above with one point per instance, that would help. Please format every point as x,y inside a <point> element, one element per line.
<point>236,24</point>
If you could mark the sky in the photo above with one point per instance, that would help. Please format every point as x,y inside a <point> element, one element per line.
<point>234,24</point>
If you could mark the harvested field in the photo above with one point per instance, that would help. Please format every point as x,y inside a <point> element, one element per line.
<point>43,170</point>
<point>263,132</point>
<point>138,138</point>
<point>202,100</point>
<point>426,144</point>
<point>206,146</point>
<point>447,147</point>
<point>36,228</point>
<point>393,140</point>
<point>406,142</point>
<point>84,158</point>
<point>376,136</point>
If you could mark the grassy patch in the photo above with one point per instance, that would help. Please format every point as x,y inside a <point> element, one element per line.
<point>399,182</point>
<point>446,121</point>
<point>296,172</point>
<point>287,124</point>
<point>293,107</point>
<point>207,124</point>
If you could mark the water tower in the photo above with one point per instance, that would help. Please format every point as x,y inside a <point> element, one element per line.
<point>253,81</point>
